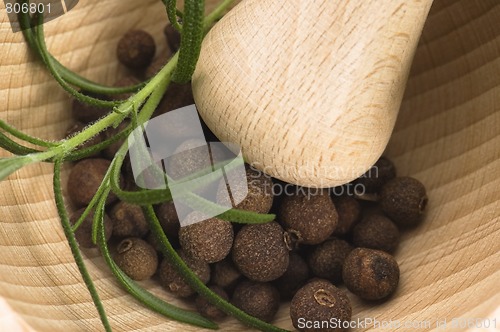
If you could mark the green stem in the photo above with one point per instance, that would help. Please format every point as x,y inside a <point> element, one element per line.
<point>70,236</point>
<point>217,13</point>
<point>68,75</point>
<point>171,6</point>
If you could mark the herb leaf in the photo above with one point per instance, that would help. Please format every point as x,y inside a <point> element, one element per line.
<point>191,36</point>
<point>70,236</point>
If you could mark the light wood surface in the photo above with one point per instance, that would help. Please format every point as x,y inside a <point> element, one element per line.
<point>447,135</point>
<point>309,90</point>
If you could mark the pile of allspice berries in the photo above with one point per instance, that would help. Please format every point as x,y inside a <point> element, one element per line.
<point>321,239</point>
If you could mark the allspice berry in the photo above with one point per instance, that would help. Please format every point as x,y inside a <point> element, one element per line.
<point>370,274</point>
<point>87,113</point>
<point>128,220</point>
<point>379,174</point>
<point>174,282</point>
<point>83,234</point>
<point>258,299</point>
<point>349,211</point>
<point>225,274</point>
<point>404,200</point>
<point>209,240</point>
<point>311,217</point>
<point>136,49</point>
<point>207,309</point>
<point>137,258</point>
<point>376,232</point>
<point>260,252</point>
<point>295,276</point>
<point>169,221</point>
<point>191,156</point>
<point>326,260</point>
<point>84,180</point>
<point>319,301</point>
<point>258,187</point>
<point>176,96</point>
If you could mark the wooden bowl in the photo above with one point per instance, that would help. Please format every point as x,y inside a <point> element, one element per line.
<point>447,135</point>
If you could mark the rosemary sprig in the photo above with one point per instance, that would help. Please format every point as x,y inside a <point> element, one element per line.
<point>140,108</point>
<point>68,75</point>
<point>192,34</point>
<point>70,236</point>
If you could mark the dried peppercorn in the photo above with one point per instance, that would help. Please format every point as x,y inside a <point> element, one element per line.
<point>258,299</point>
<point>260,252</point>
<point>311,217</point>
<point>370,274</point>
<point>404,200</point>
<point>376,232</point>
<point>326,260</point>
<point>136,49</point>
<point>317,302</point>
<point>137,258</point>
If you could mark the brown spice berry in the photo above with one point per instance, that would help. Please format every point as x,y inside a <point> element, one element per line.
<point>169,221</point>
<point>207,309</point>
<point>258,299</point>
<point>88,113</point>
<point>79,126</point>
<point>349,211</point>
<point>379,174</point>
<point>209,240</point>
<point>191,156</point>
<point>225,274</point>
<point>376,232</point>
<point>136,258</point>
<point>173,37</point>
<point>317,302</point>
<point>260,252</point>
<point>177,96</point>
<point>128,220</point>
<point>174,282</point>
<point>311,217</point>
<point>404,200</point>
<point>136,49</point>
<point>370,274</point>
<point>258,186</point>
<point>84,232</point>
<point>294,277</point>
<point>327,259</point>
<point>84,179</point>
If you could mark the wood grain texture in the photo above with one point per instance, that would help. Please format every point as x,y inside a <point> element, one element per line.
<point>447,135</point>
<point>337,72</point>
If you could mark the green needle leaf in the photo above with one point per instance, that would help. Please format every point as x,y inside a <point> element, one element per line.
<point>191,37</point>
<point>68,75</point>
<point>11,164</point>
<point>172,13</point>
<point>75,250</point>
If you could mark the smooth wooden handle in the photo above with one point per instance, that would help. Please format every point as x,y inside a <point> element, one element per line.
<point>309,89</point>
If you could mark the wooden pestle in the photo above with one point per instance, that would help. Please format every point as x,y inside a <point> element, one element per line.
<point>310,90</point>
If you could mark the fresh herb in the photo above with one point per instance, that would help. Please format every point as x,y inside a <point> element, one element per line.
<point>139,108</point>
